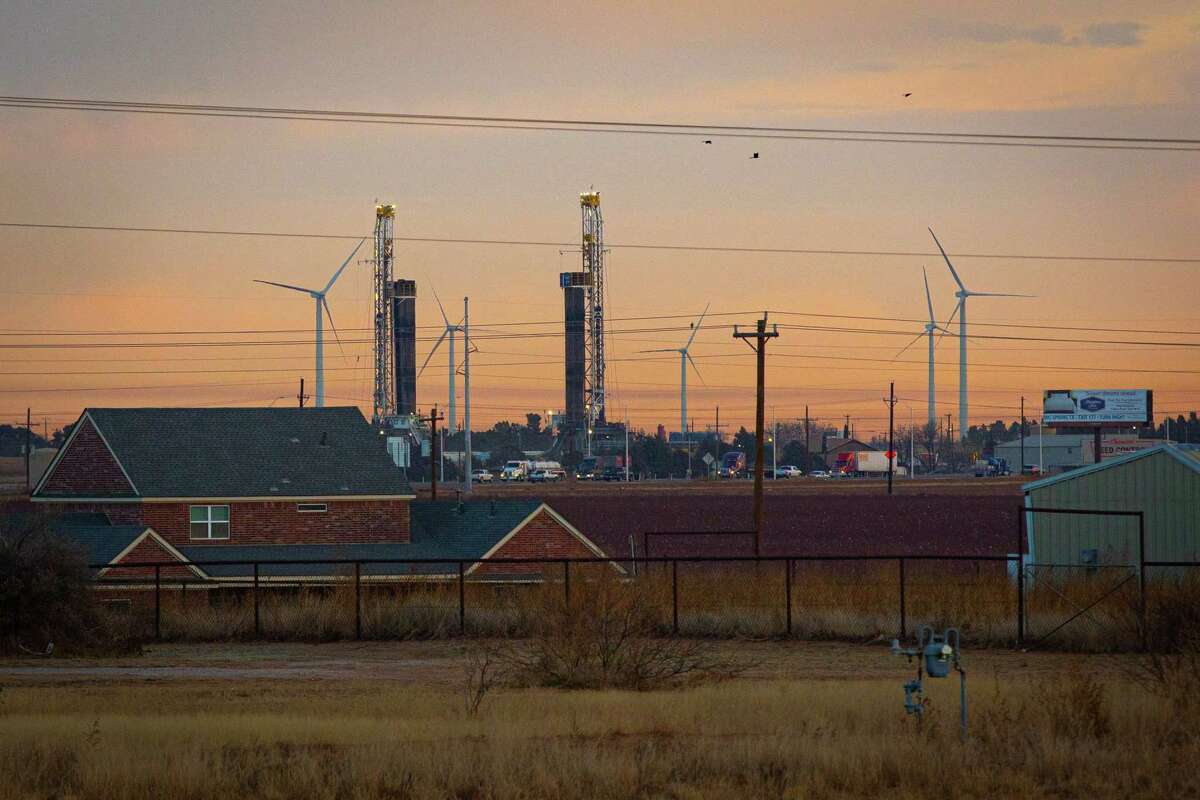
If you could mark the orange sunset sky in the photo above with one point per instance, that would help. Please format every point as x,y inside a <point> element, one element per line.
<point>1098,68</point>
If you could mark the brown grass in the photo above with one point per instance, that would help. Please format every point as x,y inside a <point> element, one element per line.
<point>835,600</point>
<point>750,738</point>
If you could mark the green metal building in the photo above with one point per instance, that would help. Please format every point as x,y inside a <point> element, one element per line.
<point>1163,482</point>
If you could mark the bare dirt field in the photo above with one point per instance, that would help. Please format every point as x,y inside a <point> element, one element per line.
<point>950,484</point>
<point>390,721</point>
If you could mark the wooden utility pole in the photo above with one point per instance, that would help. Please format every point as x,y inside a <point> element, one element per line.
<point>807,445</point>
<point>28,445</point>
<point>302,396</point>
<point>891,452</point>
<point>1022,470</point>
<point>435,451</point>
<point>760,337</point>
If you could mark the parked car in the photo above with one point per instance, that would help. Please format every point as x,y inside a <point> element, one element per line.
<point>788,471</point>
<point>545,476</point>
<point>482,476</point>
<point>818,473</point>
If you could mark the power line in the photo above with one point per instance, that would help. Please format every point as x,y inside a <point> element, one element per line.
<point>638,246</point>
<point>606,126</point>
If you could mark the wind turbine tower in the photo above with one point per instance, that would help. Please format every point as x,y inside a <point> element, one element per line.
<point>684,357</point>
<point>961,309</point>
<point>447,333</point>
<point>321,305</point>
<point>930,327</point>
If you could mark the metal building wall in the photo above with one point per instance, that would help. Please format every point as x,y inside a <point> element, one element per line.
<point>404,343</point>
<point>1158,484</point>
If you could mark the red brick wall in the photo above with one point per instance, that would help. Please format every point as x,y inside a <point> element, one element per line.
<point>87,467</point>
<point>542,537</point>
<point>346,521</point>
<point>149,551</point>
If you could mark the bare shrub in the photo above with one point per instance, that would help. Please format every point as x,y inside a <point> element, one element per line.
<point>1170,664</point>
<point>47,602</point>
<point>1076,707</point>
<point>607,635</point>
<point>485,667</point>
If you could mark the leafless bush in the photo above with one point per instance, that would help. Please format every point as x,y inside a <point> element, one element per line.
<point>607,635</point>
<point>485,667</point>
<point>1076,708</point>
<point>1170,664</point>
<point>46,599</point>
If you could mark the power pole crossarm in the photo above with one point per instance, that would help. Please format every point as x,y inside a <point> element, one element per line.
<point>760,335</point>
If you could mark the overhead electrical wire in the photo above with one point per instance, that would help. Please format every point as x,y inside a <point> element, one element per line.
<point>610,245</point>
<point>898,136</point>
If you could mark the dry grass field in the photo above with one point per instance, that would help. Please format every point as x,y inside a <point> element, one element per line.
<point>389,721</point>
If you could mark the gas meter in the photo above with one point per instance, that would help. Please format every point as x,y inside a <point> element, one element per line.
<point>936,654</point>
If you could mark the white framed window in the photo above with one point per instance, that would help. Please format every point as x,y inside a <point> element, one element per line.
<point>312,508</point>
<point>209,522</point>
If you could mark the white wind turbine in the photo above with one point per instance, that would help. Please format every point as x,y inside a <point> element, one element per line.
<point>961,309</point>
<point>930,327</point>
<point>684,358</point>
<point>448,331</point>
<point>319,296</point>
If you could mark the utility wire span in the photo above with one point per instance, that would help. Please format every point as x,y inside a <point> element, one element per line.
<point>606,126</point>
<point>640,246</point>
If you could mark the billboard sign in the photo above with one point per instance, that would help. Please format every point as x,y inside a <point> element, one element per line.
<point>1097,407</point>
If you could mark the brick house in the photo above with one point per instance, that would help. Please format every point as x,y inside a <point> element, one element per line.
<point>140,485</point>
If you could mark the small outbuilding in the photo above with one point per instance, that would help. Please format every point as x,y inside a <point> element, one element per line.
<point>1162,482</point>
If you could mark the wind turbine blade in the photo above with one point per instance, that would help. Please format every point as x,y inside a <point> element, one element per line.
<point>948,264</point>
<point>693,363</point>
<point>660,350</point>
<point>910,344</point>
<point>338,274</point>
<point>439,304</point>
<point>433,350</point>
<point>286,286</point>
<point>999,294</point>
<point>928,297</point>
<point>946,329</point>
<point>696,327</point>
<point>336,338</point>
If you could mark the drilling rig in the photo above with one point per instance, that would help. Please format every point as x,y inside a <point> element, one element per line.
<point>385,395</point>
<point>593,267</point>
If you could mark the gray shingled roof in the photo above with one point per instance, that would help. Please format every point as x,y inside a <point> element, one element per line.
<point>439,530</point>
<point>100,543</point>
<point>250,452</point>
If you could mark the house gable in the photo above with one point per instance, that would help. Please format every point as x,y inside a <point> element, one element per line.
<point>149,548</point>
<point>544,534</point>
<point>85,467</point>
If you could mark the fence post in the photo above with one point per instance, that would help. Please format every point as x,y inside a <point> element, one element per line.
<point>157,603</point>
<point>1142,575</point>
<point>462,599</point>
<point>567,582</point>
<point>675,596</point>
<point>357,601</point>
<point>257,618</point>
<point>1020,576</point>
<point>903,604</point>
<point>787,592</point>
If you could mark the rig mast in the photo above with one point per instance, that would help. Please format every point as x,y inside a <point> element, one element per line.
<point>385,395</point>
<point>593,266</point>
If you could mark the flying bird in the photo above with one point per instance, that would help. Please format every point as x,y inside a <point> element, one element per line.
<point>908,94</point>
<point>708,141</point>
<point>754,156</point>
